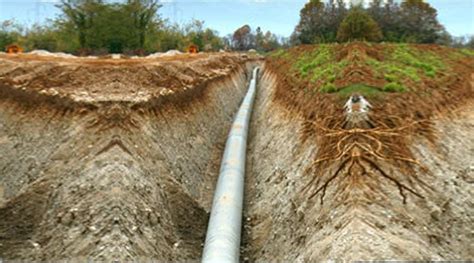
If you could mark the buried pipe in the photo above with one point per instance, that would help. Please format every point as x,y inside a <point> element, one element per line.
<point>223,232</point>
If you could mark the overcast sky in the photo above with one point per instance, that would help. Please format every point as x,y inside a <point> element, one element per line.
<point>278,16</point>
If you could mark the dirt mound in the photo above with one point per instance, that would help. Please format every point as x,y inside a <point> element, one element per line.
<point>110,159</point>
<point>134,81</point>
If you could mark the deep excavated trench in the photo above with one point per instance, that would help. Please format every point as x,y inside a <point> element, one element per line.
<point>121,180</point>
<point>366,221</point>
<point>115,179</point>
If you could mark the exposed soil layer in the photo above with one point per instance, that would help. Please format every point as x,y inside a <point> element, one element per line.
<point>397,185</point>
<point>105,159</point>
<point>112,160</point>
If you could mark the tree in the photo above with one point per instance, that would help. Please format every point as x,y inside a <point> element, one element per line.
<point>242,38</point>
<point>334,14</point>
<point>411,21</point>
<point>358,25</point>
<point>420,23</point>
<point>41,37</point>
<point>212,41</point>
<point>107,25</point>
<point>390,22</point>
<point>387,16</point>
<point>462,42</point>
<point>144,15</point>
<point>205,38</point>
<point>82,14</point>
<point>311,24</point>
<point>376,11</point>
<point>259,39</point>
<point>270,42</point>
<point>10,32</point>
<point>470,42</point>
<point>319,22</point>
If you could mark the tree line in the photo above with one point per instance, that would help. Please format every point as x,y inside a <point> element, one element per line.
<point>131,27</point>
<point>244,38</point>
<point>410,21</point>
<point>100,27</point>
<point>135,27</point>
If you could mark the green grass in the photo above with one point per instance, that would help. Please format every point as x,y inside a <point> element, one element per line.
<point>467,52</point>
<point>403,67</point>
<point>412,63</point>
<point>328,88</point>
<point>394,87</point>
<point>312,60</point>
<point>461,53</point>
<point>363,90</point>
<point>279,53</point>
<point>399,72</point>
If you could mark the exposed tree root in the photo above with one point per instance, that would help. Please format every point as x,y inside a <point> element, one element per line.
<point>387,143</point>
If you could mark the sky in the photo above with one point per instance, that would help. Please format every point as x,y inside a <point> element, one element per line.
<point>278,16</point>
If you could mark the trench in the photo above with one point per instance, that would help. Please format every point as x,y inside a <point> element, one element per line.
<point>112,182</point>
<point>282,224</point>
<point>74,188</point>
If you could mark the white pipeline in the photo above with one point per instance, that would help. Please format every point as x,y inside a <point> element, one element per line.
<point>223,233</point>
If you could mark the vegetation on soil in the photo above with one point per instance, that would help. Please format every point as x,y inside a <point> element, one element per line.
<point>393,68</point>
<point>367,91</point>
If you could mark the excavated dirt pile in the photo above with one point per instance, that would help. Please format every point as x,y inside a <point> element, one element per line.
<point>104,159</point>
<point>395,184</point>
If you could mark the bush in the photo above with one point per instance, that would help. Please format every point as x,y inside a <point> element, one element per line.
<point>393,87</point>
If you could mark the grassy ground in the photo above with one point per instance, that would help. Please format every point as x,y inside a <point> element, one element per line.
<point>369,68</point>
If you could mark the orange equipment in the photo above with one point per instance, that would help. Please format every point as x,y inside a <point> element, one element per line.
<point>193,49</point>
<point>14,49</point>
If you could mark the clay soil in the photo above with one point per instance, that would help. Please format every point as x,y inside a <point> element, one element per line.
<point>104,159</point>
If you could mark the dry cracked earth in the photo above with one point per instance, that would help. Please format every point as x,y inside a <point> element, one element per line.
<point>116,160</point>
